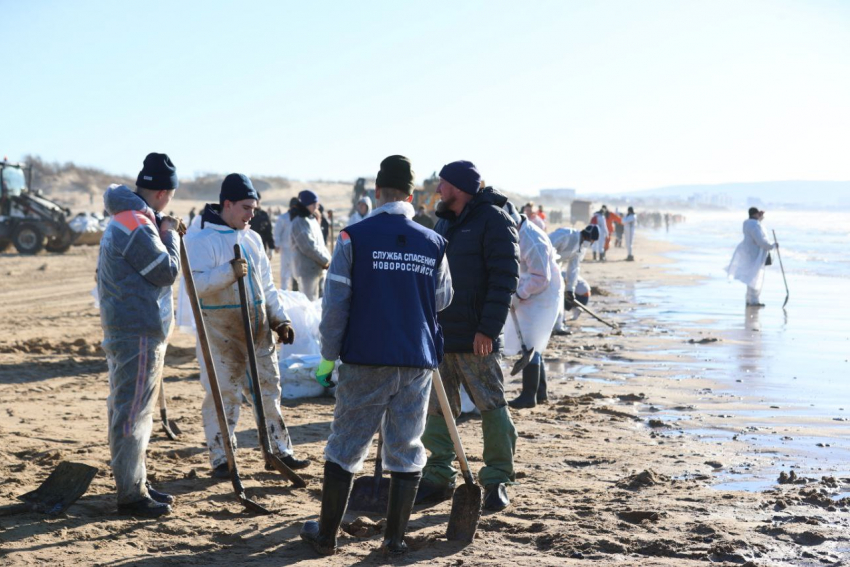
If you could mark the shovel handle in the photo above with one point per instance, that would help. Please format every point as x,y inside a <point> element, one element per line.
<point>200,326</point>
<point>516,326</point>
<point>594,315</point>
<point>450,423</point>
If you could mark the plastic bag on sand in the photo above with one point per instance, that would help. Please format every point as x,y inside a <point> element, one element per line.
<point>298,377</point>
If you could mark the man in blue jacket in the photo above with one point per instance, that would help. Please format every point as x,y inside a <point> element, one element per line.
<point>483,254</point>
<point>139,261</point>
<point>387,280</point>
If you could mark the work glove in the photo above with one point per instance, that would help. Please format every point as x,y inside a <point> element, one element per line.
<point>170,223</point>
<point>285,333</point>
<point>240,267</point>
<point>324,373</point>
<point>569,300</point>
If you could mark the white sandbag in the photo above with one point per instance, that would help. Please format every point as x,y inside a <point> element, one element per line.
<point>298,377</point>
<point>305,317</point>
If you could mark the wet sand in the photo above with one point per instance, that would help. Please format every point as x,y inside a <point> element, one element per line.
<point>620,468</point>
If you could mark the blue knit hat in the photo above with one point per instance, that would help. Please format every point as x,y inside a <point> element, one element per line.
<point>463,175</point>
<point>158,173</point>
<point>307,197</point>
<point>237,187</point>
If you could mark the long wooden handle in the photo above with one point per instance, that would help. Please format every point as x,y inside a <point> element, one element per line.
<point>450,423</point>
<point>208,362</point>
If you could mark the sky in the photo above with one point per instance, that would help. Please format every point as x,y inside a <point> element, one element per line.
<point>603,96</point>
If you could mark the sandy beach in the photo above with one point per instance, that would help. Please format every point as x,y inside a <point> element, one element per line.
<point>642,456</point>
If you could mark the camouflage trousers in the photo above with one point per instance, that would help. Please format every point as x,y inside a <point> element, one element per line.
<point>483,379</point>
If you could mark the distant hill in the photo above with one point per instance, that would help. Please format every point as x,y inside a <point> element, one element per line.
<point>70,183</point>
<point>801,193</point>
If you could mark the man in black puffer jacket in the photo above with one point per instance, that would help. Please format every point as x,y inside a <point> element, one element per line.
<point>483,255</point>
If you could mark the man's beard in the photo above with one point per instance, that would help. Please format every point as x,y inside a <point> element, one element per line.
<point>442,206</point>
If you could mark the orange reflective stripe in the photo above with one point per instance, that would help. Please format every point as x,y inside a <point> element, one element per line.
<point>132,219</point>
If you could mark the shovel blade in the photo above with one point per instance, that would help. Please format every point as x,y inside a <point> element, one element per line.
<point>370,494</point>
<point>524,361</point>
<point>62,488</point>
<point>252,506</point>
<point>287,472</point>
<point>466,512</point>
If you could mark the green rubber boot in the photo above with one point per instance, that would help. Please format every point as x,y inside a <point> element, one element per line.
<point>499,447</point>
<point>438,477</point>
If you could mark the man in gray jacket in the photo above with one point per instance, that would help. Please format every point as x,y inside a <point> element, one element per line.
<point>311,256</point>
<point>139,262</point>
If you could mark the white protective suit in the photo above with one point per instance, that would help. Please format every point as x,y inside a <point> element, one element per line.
<point>540,291</point>
<point>309,254</point>
<point>210,252</point>
<point>567,243</point>
<point>356,216</point>
<point>629,231</point>
<point>282,230</point>
<point>598,247</point>
<point>747,263</point>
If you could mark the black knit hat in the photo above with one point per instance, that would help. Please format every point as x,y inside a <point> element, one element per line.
<point>463,175</point>
<point>237,187</point>
<point>591,233</point>
<point>395,173</point>
<point>158,173</point>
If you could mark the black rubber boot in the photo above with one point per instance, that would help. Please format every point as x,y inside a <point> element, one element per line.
<point>158,496</point>
<point>144,508</point>
<point>335,492</point>
<point>403,488</point>
<point>542,391</point>
<point>530,385</point>
<point>594,256</point>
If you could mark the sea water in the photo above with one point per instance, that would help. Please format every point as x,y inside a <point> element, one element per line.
<point>792,362</point>
<point>797,356</point>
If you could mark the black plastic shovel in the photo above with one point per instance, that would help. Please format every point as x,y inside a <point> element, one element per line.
<point>62,488</point>
<point>371,493</point>
<point>172,430</point>
<point>527,353</point>
<point>272,460</point>
<point>466,502</point>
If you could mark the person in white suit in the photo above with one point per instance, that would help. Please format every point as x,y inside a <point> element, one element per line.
<point>537,303</point>
<point>749,259</point>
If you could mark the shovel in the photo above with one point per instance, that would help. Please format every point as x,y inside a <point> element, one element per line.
<point>787,293</point>
<point>169,426</point>
<point>371,493</point>
<point>595,316</point>
<point>62,488</point>
<point>527,353</point>
<point>216,392</point>
<point>272,460</point>
<point>466,502</point>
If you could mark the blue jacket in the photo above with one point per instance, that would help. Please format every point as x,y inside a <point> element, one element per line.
<point>483,254</point>
<point>136,269</point>
<point>393,317</point>
<point>338,320</point>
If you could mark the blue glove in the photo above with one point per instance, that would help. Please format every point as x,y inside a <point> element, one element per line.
<point>324,372</point>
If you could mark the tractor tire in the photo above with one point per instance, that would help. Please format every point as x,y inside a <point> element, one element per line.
<point>4,244</point>
<point>28,239</point>
<point>59,245</point>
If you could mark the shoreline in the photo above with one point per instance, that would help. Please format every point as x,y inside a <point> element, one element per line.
<point>599,481</point>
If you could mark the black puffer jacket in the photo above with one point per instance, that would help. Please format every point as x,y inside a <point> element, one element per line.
<point>483,254</point>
